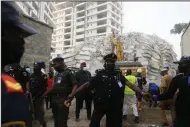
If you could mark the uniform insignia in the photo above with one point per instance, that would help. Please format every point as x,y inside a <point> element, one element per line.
<point>11,84</point>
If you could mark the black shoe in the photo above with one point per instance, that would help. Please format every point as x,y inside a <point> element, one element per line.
<point>136,119</point>
<point>125,117</point>
<point>77,120</point>
<point>165,124</point>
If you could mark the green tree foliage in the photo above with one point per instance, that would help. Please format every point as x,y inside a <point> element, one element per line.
<point>178,28</point>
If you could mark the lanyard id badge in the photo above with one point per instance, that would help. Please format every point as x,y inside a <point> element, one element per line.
<point>59,78</point>
<point>119,83</point>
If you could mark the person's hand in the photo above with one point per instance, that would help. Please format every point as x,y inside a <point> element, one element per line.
<point>27,93</point>
<point>147,96</point>
<point>70,97</point>
<point>67,103</point>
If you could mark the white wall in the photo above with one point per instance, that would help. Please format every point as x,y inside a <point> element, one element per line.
<point>185,43</point>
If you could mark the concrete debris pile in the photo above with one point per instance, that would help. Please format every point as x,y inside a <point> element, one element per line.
<point>152,51</point>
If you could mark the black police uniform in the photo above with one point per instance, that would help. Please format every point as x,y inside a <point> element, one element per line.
<point>182,104</point>
<point>22,76</point>
<point>108,96</point>
<point>38,85</point>
<point>13,101</point>
<point>85,95</point>
<point>14,104</point>
<point>63,84</point>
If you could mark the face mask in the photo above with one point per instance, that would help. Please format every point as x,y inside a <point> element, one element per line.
<point>43,71</point>
<point>84,68</point>
<point>58,69</point>
<point>28,70</point>
<point>109,66</point>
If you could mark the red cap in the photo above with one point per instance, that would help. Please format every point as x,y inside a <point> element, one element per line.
<point>83,64</point>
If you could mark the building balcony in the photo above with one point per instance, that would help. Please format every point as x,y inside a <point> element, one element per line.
<point>79,23</point>
<point>49,18</point>
<point>80,11</point>
<point>98,12</point>
<point>80,30</point>
<point>79,36</point>
<point>117,22</point>
<point>67,39</point>
<point>29,4</point>
<point>80,17</point>
<point>60,10</point>
<point>52,5</point>
<point>68,20</point>
<point>96,6</point>
<point>82,3</point>
<point>59,3</point>
<point>118,9</point>
<point>95,27</point>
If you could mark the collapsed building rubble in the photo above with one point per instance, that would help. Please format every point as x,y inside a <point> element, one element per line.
<point>152,51</point>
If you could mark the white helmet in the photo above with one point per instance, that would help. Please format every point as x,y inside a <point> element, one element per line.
<point>139,70</point>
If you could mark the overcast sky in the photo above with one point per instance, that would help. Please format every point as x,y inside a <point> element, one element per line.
<point>156,18</point>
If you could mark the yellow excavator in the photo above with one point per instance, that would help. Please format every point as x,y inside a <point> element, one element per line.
<point>117,47</point>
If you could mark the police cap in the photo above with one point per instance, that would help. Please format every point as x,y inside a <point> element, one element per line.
<point>58,59</point>
<point>110,57</point>
<point>37,64</point>
<point>10,16</point>
<point>183,60</point>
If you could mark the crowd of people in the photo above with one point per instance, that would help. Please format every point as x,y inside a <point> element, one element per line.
<point>23,93</point>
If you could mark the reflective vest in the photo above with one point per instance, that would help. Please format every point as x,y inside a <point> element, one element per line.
<point>132,79</point>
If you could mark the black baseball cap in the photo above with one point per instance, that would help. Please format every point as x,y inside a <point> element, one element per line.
<point>110,57</point>
<point>183,60</point>
<point>10,16</point>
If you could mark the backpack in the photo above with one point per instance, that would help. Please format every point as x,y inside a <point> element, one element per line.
<point>153,89</point>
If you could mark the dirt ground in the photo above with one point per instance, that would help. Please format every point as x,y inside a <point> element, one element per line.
<point>149,117</point>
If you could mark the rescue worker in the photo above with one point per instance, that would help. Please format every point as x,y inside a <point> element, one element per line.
<point>165,105</point>
<point>65,85</point>
<point>38,85</point>
<point>109,87</point>
<point>130,97</point>
<point>83,76</point>
<point>14,105</point>
<point>181,83</point>
<point>141,81</point>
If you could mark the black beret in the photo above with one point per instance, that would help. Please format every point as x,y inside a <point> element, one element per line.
<point>110,56</point>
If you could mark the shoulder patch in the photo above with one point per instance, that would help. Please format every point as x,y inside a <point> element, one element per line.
<point>11,84</point>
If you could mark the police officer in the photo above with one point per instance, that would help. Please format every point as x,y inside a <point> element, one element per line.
<point>38,84</point>
<point>21,75</point>
<point>180,82</point>
<point>64,86</point>
<point>14,106</point>
<point>83,76</point>
<point>109,87</point>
